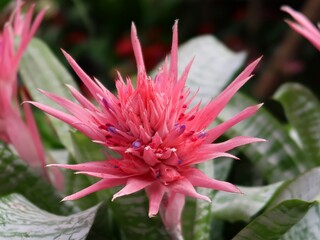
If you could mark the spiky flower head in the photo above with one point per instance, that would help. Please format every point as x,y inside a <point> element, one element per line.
<point>159,137</point>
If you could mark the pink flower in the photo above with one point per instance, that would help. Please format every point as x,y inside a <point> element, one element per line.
<point>160,139</point>
<point>23,135</point>
<point>303,26</point>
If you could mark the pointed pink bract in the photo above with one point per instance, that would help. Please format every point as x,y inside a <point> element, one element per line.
<point>303,26</point>
<point>14,130</point>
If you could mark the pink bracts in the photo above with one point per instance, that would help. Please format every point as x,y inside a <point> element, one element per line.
<point>22,135</point>
<point>159,137</point>
<point>303,26</point>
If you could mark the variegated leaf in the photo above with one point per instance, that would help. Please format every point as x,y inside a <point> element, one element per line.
<point>280,158</point>
<point>274,223</point>
<point>237,207</point>
<point>20,219</point>
<point>17,177</point>
<point>302,109</point>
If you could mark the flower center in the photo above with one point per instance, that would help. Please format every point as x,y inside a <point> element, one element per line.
<point>165,174</point>
<point>163,162</point>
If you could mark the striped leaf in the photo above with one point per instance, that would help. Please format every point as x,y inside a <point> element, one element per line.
<point>302,109</point>
<point>16,176</point>
<point>308,228</point>
<point>278,159</point>
<point>232,208</point>
<point>237,207</point>
<point>274,223</point>
<point>40,69</point>
<point>20,219</point>
<point>302,187</point>
<point>287,213</point>
<point>305,188</point>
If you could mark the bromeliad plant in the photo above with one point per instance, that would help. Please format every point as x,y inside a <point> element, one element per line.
<point>164,136</point>
<point>160,139</point>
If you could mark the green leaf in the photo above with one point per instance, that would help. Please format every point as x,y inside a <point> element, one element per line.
<point>40,69</point>
<point>274,223</point>
<point>104,225</point>
<point>236,207</point>
<point>302,109</point>
<point>284,159</point>
<point>188,218</point>
<point>16,176</point>
<point>217,230</point>
<point>21,219</point>
<point>303,187</point>
<point>131,213</point>
<point>308,228</point>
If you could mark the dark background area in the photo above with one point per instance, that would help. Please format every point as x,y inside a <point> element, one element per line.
<point>97,34</point>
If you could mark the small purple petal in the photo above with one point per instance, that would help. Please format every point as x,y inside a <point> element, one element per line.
<point>202,134</point>
<point>112,129</point>
<point>180,128</point>
<point>136,144</point>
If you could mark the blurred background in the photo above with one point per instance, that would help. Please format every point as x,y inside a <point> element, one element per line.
<point>97,34</point>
